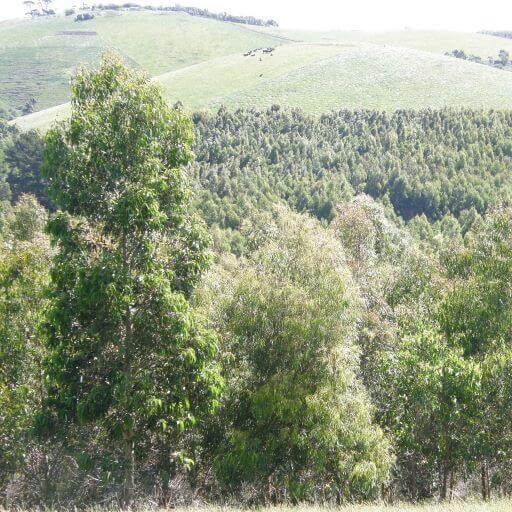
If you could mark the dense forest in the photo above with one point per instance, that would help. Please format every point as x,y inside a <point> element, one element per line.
<point>253,306</point>
<point>441,164</point>
<point>431,162</point>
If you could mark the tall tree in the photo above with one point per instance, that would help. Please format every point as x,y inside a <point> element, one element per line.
<point>476,315</point>
<point>432,395</point>
<point>126,350</point>
<point>298,423</point>
<point>24,260</point>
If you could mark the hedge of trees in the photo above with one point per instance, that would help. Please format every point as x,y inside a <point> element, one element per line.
<point>193,11</point>
<point>507,34</point>
<point>501,62</point>
<point>345,340</point>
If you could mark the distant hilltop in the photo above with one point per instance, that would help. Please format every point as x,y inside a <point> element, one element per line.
<point>507,34</point>
<point>193,11</point>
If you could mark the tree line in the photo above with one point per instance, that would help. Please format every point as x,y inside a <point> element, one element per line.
<point>507,34</point>
<point>502,62</point>
<point>448,164</point>
<point>274,350</point>
<point>37,8</point>
<point>193,11</point>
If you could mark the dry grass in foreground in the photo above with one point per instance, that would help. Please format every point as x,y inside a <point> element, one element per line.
<point>498,505</point>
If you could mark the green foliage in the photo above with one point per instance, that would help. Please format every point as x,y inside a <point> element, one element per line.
<point>126,351</point>
<point>476,312</point>
<point>298,423</point>
<point>24,259</point>
<point>446,164</point>
<point>493,435</point>
<point>433,403</point>
<point>369,342</point>
<point>432,162</point>
<point>475,315</point>
<point>23,156</point>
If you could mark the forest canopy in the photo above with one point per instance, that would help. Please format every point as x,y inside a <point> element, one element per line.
<point>253,306</point>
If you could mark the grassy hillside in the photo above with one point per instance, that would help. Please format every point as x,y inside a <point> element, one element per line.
<point>435,41</point>
<point>37,56</point>
<point>229,79</point>
<point>42,119</point>
<point>35,60</point>
<point>322,77</point>
<point>164,42</point>
<point>200,61</point>
<point>318,78</point>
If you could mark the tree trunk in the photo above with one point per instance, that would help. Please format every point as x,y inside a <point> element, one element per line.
<point>482,474</point>
<point>165,470</point>
<point>128,436</point>
<point>129,473</point>
<point>444,483</point>
<point>486,486</point>
<point>488,481</point>
<point>452,484</point>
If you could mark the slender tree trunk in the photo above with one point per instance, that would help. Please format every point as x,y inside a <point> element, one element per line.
<point>165,469</point>
<point>484,491</point>
<point>485,468</point>
<point>444,482</point>
<point>129,472</point>
<point>452,484</point>
<point>128,436</point>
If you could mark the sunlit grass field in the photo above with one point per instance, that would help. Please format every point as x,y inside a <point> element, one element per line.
<point>435,41</point>
<point>321,77</point>
<point>318,78</point>
<point>37,57</point>
<point>201,63</point>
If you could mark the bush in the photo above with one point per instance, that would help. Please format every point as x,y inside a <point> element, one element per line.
<point>298,421</point>
<point>84,17</point>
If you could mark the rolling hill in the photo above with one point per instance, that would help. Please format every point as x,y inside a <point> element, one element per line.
<point>38,56</point>
<point>318,78</point>
<point>435,41</point>
<point>201,62</point>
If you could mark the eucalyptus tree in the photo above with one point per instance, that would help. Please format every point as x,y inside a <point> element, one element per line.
<point>24,262</point>
<point>432,405</point>
<point>126,350</point>
<point>297,420</point>
<point>476,315</point>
